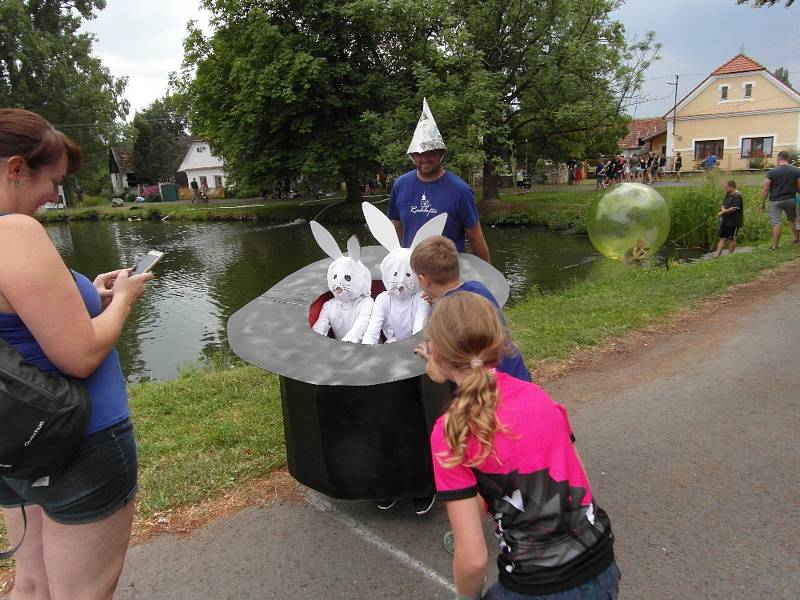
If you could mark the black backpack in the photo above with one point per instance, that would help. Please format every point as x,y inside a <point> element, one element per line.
<point>42,420</point>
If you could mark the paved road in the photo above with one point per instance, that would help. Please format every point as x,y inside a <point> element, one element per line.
<point>691,444</point>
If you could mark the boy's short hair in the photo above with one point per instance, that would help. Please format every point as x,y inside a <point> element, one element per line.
<point>437,258</point>
<point>783,155</point>
<point>732,183</point>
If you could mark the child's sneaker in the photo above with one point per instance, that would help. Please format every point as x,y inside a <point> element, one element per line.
<point>423,505</point>
<point>449,542</point>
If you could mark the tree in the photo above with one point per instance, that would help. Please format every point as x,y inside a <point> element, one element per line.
<point>157,147</point>
<point>550,79</point>
<point>782,73</point>
<point>759,3</point>
<point>46,66</point>
<point>281,87</point>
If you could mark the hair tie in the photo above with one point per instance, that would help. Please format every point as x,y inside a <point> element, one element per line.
<point>476,363</point>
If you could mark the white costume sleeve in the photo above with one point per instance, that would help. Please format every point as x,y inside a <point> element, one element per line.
<point>323,324</point>
<point>362,320</point>
<point>421,308</point>
<point>376,321</point>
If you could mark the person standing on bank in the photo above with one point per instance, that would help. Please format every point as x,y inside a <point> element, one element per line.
<point>781,184</point>
<point>79,522</point>
<point>503,447</point>
<point>731,215</point>
<point>430,190</point>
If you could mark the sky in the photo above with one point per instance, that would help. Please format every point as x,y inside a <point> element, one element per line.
<point>143,40</point>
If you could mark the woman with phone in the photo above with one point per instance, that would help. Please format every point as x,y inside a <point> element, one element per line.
<point>78,523</point>
<point>506,441</point>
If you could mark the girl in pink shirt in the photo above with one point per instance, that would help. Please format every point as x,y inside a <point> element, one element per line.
<point>507,441</point>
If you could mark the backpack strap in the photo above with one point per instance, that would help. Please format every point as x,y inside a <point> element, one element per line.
<point>9,553</point>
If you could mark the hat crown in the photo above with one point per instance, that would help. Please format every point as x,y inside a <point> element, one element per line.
<point>427,135</point>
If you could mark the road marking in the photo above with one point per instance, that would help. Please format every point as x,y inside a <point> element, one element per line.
<point>365,534</point>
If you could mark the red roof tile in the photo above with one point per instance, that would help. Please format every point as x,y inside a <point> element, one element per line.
<point>738,64</point>
<point>641,129</point>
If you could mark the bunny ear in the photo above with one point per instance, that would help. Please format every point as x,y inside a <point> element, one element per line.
<point>354,248</point>
<point>325,240</point>
<point>380,226</point>
<point>433,227</point>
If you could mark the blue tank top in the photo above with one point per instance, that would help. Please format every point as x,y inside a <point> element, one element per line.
<point>108,393</point>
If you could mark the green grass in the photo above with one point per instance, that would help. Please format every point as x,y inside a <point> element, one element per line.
<point>549,327</point>
<point>204,432</point>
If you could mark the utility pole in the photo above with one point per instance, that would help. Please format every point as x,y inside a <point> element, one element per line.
<point>675,103</point>
<point>674,111</point>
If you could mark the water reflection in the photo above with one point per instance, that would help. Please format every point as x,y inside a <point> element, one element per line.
<point>210,270</point>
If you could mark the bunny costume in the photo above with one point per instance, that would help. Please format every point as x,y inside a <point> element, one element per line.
<point>350,282</point>
<point>400,311</point>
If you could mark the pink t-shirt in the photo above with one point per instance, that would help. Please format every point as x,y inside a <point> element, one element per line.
<point>552,535</point>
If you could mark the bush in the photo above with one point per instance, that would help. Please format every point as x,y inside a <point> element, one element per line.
<point>151,193</point>
<point>693,214</point>
<point>757,162</point>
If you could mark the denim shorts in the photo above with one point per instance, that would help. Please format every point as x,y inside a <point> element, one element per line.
<point>603,587</point>
<point>99,481</point>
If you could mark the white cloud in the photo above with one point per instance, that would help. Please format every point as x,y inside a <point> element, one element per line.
<point>143,40</point>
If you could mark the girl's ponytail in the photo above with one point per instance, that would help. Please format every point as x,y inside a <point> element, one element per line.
<point>467,334</point>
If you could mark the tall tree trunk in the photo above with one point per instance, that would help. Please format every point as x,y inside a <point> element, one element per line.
<point>353,189</point>
<point>489,186</point>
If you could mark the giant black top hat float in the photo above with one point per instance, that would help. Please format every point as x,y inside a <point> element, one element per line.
<point>356,417</point>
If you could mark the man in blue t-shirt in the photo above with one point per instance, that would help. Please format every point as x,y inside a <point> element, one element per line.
<point>429,190</point>
<point>710,161</point>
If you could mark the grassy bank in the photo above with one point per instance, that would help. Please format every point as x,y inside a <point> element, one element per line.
<point>693,210</point>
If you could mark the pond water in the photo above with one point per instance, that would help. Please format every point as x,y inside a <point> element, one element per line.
<point>210,270</point>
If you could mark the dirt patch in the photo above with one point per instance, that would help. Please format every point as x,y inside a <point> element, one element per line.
<point>274,489</point>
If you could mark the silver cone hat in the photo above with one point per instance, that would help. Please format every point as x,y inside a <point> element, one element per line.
<point>426,135</point>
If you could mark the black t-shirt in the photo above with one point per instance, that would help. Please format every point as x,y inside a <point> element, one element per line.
<point>735,218</point>
<point>784,182</point>
<point>679,162</point>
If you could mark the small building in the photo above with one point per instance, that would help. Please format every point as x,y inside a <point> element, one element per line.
<point>741,113</point>
<point>200,165</point>
<point>120,166</point>
<point>643,136</point>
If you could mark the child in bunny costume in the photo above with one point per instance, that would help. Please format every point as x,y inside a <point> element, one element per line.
<point>400,311</point>
<point>350,282</point>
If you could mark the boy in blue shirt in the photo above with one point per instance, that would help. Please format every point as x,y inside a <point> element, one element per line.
<point>435,261</point>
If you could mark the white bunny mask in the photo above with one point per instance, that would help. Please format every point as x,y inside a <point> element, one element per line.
<point>396,273</point>
<point>348,278</point>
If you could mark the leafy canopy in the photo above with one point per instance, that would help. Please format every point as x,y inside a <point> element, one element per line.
<point>46,66</point>
<point>157,147</point>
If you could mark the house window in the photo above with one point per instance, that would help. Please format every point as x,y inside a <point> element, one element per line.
<point>723,92</point>
<point>760,146</point>
<point>707,148</point>
<point>748,90</point>
<point>218,181</point>
<point>203,181</point>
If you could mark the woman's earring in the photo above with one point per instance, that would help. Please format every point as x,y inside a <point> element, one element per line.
<point>16,184</point>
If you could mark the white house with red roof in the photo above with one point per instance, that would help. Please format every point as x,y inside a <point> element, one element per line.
<point>741,113</point>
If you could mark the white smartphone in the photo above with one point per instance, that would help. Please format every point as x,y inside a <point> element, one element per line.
<point>144,264</point>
